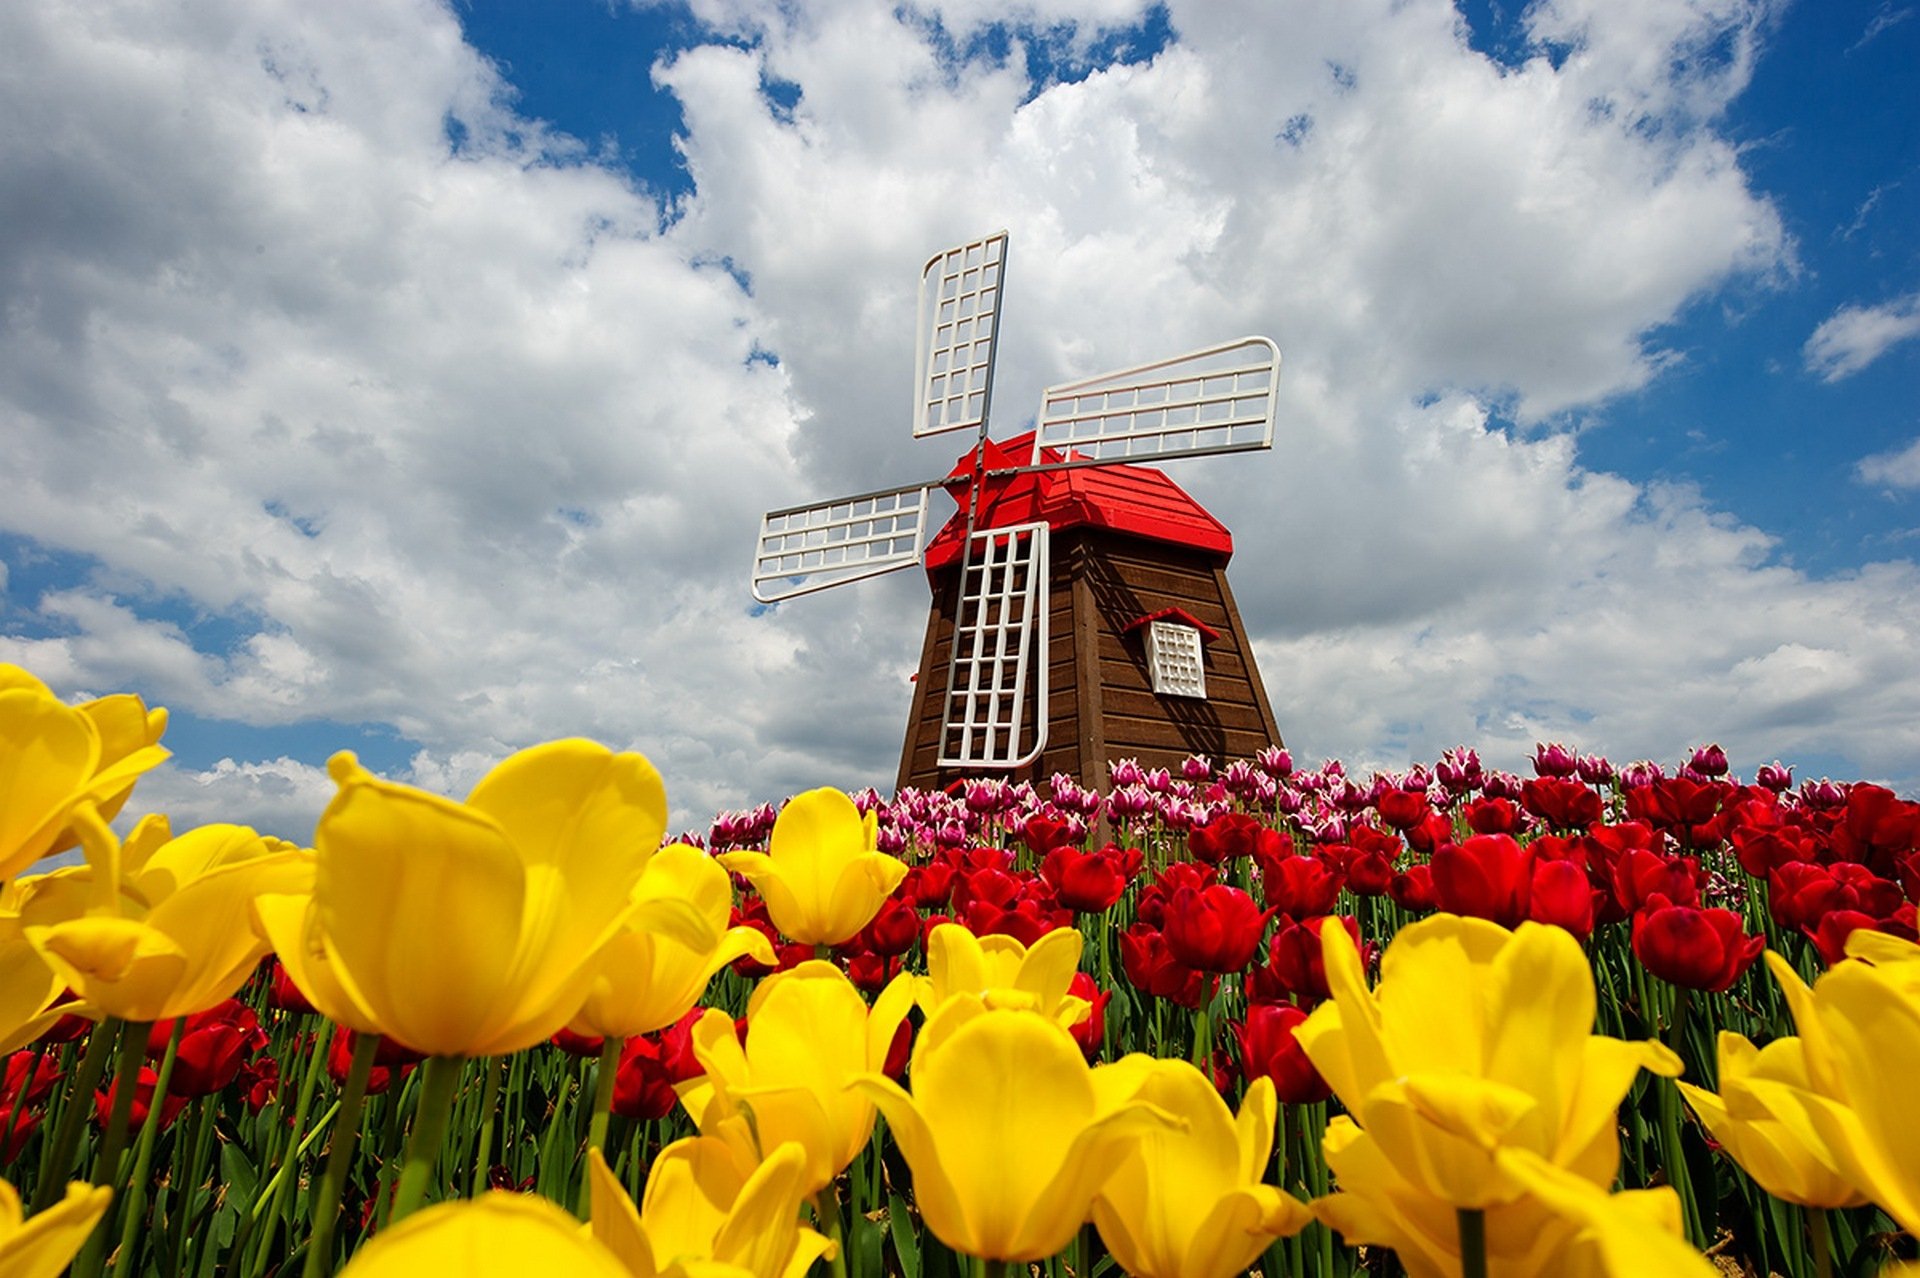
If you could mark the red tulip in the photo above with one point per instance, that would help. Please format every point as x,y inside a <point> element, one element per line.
<point>1215,928</point>
<point>1698,949</point>
<point>1268,1049</point>
<point>1493,816</point>
<point>892,932</point>
<point>928,886</point>
<point>283,993</point>
<point>1085,882</point>
<point>212,1053</point>
<point>1152,969</point>
<point>1300,886</point>
<point>1639,876</point>
<point>1042,834</point>
<point>170,1105</point>
<point>1091,1033</point>
<point>1490,876</point>
<point>16,1129</point>
<point>642,1084</point>
<point>27,1083</point>
<point>1563,896</point>
<point>1026,921</point>
<point>1151,908</point>
<point>1295,968</point>
<point>1225,838</point>
<point>1412,889</point>
<point>1563,803</point>
<point>1403,809</point>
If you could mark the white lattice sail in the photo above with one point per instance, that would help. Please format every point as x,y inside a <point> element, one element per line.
<point>1217,400</point>
<point>829,543</point>
<point>958,329</point>
<point>996,712</point>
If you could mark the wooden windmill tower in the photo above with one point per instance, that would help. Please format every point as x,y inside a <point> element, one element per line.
<point>1081,610</point>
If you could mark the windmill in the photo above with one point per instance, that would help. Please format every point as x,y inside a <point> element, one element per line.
<point>990,633</point>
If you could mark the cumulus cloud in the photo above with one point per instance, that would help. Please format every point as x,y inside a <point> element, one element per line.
<point>314,344</point>
<point>1855,336</point>
<point>1897,469</point>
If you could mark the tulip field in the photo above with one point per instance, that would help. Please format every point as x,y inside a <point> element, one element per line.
<point>1238,1018</point>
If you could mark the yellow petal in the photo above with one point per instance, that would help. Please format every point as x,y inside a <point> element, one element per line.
<point>43,1246</point>
<point>395,865</point>
<point>48,750</point>
<point>613,1220</point>
<point>497,1235</point>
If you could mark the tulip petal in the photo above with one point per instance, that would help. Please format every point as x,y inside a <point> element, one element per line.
<point>614,1221</point>
<point>45,1243</point>
<point>392,858</point>
<point>497,1235</point>
<point>47,752</point>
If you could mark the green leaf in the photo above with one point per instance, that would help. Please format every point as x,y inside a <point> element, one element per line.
<point>242,1177</point>
<point>906,1243</point>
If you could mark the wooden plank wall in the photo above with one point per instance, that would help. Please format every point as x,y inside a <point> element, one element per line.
<point>1097,671</point>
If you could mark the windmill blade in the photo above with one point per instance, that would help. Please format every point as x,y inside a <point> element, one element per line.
<point>958,330</point>
<point>807,548</point>
<point>996,711</point>
<point>1217,400</point>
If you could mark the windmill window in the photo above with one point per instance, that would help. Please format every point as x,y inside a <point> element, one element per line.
<point>1174,659</point>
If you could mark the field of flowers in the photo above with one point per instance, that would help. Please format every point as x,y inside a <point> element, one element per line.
<point>1600,1020</point>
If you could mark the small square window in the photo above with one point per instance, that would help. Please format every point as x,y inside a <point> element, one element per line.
<point>1173,656</point>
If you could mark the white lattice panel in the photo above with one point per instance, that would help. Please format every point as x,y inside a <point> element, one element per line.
<point>806,548</point>
<point>1175,658</point>
<point>996,713</point>
<point>959,326</point>
<point>1217,400</point>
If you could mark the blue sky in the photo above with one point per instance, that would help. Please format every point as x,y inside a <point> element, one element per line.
<point>407,377</point>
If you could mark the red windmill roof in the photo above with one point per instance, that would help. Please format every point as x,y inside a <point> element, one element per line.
<point>1125,498</point>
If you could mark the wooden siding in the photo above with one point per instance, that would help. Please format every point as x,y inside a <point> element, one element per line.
<point>1101,705</point>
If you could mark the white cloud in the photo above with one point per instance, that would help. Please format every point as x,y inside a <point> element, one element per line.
<point>1897,469</point>
<point>1854,336</point>
<point>472,444</point>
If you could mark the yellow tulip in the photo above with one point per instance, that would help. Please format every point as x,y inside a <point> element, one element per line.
<point>1476,1040</point>
<point>1528,1237</point>
<point>1004,1130</point>
<point>497,1235</point>
<point>1004,971</point>
<point>1614,1235</point>
<point>28,986</point>
<point>703,1210</point>
<point>1859,1029</point>
<point>43,1246</point>
<point>159,926</point>
<point>472,928</point>
<point>646,980</point>
<point>1772,1152</point>
<point>821,877</point>
<point>1189,1203</point>
<point>54,757</point>
<point>809,1034</point>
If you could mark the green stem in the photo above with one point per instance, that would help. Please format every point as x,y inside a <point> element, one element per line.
<point>440,1079</point>
<point>106,1171</point>
<point>275,1194</point>
<point>1821,1241</point>
<point>1677,1174</point>
<point>59,1164</point>
<point>483,1137</point>
<point>602,1108</point>
<point>346,1134</point>
<point>826,1209</point>
<point>136,1195</point>
<point>1473,1242</point>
